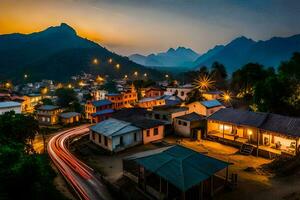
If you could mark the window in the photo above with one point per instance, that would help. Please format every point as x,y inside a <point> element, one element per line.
<point>155,131</point>
<point>182,93</point>
<point>156,116</point>
<point>105,140</point>
<point>121,140</point>
<point>184,124</point>
<point>93,136</point>
<point>165,117</point>
<point>148,133</point>
<point>179,122</point>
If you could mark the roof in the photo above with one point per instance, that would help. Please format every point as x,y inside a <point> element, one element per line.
<point>113,94</point>
<point>48,107</point>
<point>239,117</point>
<point>282,124</point>
<point>182,167</point>
<point>211,103</point>
<point>113,127</point>
<point>102,102</point>
<point>267,121</point>
<point>9,104</point>
<point>102,112</point>
<point>145,123</point>
<point>171,109</point>
<point>191,117</point>
<point>69,115</point>
<point>126,113</point>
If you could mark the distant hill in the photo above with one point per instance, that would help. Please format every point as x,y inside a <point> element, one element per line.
<point>173,57</point>
<point>58,53</point>
<point>242,50</point>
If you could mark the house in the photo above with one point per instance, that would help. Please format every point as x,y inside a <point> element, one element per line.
<point>180,91</point>
<point>124,99</point>
<point>205,108</point>
<point>48,114</point>
<point>190,125</point>
<point>167,113</point>
<point>151,102</point>
<point>96,111</point>
<point>99,94</point>
<point>153,92</point>
<point>70,117</point>
<point>268,134</point>
<point>212,95</point>
<point>176,172</point>
<point>152,129</point>
<point>171,100</point>
<point>115,135</point>
<point>8,106</point>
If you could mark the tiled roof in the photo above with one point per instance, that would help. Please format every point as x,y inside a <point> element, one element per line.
<point>102,102</point>
<point>191,117</point>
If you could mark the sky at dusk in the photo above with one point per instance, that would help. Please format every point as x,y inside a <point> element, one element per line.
<point>138,26</point>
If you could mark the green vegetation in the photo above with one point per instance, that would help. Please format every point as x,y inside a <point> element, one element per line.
<point>23,173</point>
<point>66,98</point>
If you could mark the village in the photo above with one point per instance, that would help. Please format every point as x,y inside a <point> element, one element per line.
<point>157,143</point>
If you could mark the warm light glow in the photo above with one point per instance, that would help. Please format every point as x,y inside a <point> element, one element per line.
<point>25,76</point>
<point>99,78</point>
<point>69,85</point>
<point>59,85</point>
<point>95,61</point>
<point>227,96</point>
<point>135,73</point>
<point>44,91</point>
<point>118,66</point>
<point>81,83</point>
<point>249,132</point>
<point>7,85</point>
<point>167,76</point>
<point>204,82</point>
<point>110,60</point>
<point>125,76</point>
<point>145,74</point>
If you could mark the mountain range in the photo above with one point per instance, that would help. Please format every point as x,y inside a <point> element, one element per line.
<point>233,55</point>
<point>58,53</point>
<point>171,58</point>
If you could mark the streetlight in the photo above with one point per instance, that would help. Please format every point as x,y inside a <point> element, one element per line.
<point>167,76</point>
<point>135,73</point>
<point>25,76</point>
<point>125,76</point>
<point>145,74</point>
<point>69,86</point>
<point>110,60</point>
<point>7,85</point>
<point>95,61</point>
<point>204,83</point>
<point>118,66</point>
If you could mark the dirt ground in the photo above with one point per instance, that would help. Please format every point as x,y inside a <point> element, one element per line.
<point>253,184</point>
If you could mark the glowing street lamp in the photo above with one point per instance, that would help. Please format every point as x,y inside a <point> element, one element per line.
<point>204,82</point>
<point>135,73</point>
<point>125,76</point>
<point>167,76</point>
<point>44,91</point>
<point>99,78</point>
<point>7,85</point>
<point>110,60</point>
<point>95,61</point>
<point>25,76</point>
<point>69,86</point>
<point>145,74</point>
<point>81,83</point>
<point>118,66</point>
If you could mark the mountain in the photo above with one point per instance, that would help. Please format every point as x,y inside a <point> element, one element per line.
<point>58,53</point>
<point>172,58</point>
<point>242,50</point>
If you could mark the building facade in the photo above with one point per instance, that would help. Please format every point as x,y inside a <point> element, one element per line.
<point>48,114</point>
<point>8,106</point>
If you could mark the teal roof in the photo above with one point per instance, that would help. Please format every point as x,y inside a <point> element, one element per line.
<point>211,103</point>
<point>182,167</point>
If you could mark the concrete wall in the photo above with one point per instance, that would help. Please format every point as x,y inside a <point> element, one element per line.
<point>180,129</point>
<point>152,137</point>
<point>128,140</point>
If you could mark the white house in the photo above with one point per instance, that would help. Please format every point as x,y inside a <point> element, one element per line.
<point>205,108</point>
<point>189,125</point>
<point>7,106</point>
<point>115,135</point>
<point>180,91</point>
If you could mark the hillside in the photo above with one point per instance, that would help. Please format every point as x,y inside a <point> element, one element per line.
<point>180,56</point>
<point>57,53</point>
<point>243,50</point>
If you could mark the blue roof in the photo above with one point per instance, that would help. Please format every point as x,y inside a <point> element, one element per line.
<point>9,104</point>
<point>48,107</point>
<point>182,167</point>
<point>102,102</point>
<point>211,103</point>
<point>102,112</point>
<point>69,115</point>
<point>113,94</point>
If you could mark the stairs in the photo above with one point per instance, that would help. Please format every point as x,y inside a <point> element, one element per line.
<point>246,149</point>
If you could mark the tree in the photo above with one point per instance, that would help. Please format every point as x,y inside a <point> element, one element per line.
<point>291,69</point>
<point>219,75</point>
<point>203,71</point>
<point>65,97</point>
<point>194,95</point>
<point>47,101</point>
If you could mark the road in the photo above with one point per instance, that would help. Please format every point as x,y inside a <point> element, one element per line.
<point>81,177</point>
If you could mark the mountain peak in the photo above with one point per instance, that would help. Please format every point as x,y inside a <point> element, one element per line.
<point>62,28</point>
<point>171,50</point>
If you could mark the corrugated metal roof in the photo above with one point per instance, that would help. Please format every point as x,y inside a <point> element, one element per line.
<point>69,115</point>
<point>9,104</point>
<point>102,112</point>
<point>182,167</point>
<point>211,103</point>
<point>191,117</point>
<point>102,102</point>
<point>113,127</point>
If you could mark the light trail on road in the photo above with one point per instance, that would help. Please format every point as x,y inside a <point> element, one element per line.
<point>80,176</point>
